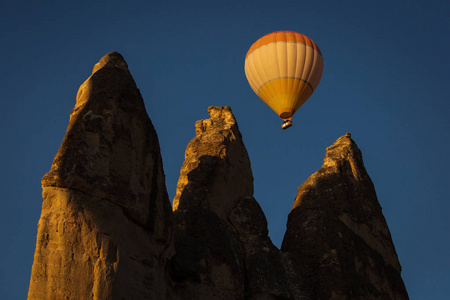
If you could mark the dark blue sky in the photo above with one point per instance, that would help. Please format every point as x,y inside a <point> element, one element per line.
<point>385,80</point>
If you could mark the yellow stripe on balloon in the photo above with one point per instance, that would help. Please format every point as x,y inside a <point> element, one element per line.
<point>285,102</point>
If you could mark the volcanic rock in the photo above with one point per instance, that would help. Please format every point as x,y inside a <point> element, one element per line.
<point>221,239</point>
<point>216,173</point>
<point>268,271</point>
<point>215,176</point>
<point>105,226</point>
<point>107,230</point>
<point>337,236</point>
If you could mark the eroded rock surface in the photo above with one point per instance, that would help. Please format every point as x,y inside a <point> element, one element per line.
<point>336,233</point>
<point>216,172</point>
<point>105,227</point>
<point>268,272</point>
<point>215,176</point>
<point>107,230</point>
<point>220,235</point>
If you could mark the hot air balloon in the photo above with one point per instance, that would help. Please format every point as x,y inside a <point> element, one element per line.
<point>284,68</point>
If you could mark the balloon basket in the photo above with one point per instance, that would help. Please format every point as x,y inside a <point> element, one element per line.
<point>286,124</point>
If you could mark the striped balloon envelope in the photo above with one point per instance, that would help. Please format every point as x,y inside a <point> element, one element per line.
<point>284,68</point>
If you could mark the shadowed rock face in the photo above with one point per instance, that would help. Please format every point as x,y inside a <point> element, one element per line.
<point>216,172</point>
<point>221,240</point>
<point>105,227</point>
<point>337,235</point>
<point>107,230</point>
<point>215,176</point>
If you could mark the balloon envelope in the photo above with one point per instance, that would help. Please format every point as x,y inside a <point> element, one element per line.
<point>284,68</point>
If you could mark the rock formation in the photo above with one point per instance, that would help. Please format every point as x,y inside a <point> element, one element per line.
<point>105,227</point>
<point>221,239</point>
<point>107,230</point>
<point>337,235</point>
<point>215,176</point>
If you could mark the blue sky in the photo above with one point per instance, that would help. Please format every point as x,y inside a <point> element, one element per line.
<point>385,80</point>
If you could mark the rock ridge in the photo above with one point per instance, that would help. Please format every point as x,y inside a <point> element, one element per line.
<point>108,231</point>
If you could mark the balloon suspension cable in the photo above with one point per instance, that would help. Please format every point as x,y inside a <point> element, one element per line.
<point>286,124</point>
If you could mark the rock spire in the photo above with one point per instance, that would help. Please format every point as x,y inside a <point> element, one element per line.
<point>107,230</point>
<point>336,234</point>
<point>105,226</point>
<point>221,240</point>
<point>215,177</point>
<point>216,173</point>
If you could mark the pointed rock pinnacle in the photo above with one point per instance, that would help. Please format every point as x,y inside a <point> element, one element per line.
<point>105,226</point>
<point>337,234</point>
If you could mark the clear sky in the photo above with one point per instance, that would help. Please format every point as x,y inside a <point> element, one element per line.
<point>385,80</point>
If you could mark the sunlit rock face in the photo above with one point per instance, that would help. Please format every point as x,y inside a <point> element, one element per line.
<point>336,234</point>
<point>216,172</point>
<point>215,177</point>
<point>107,230</point>
<point>105,227</point>
<point>221,240</point>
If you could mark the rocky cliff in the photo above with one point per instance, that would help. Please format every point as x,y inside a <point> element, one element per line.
<point>105,226</point>
<point>221,239</point>
<point>337,235</point>
<point>107,230</point>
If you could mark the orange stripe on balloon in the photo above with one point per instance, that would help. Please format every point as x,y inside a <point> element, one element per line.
<point>283,36</point>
